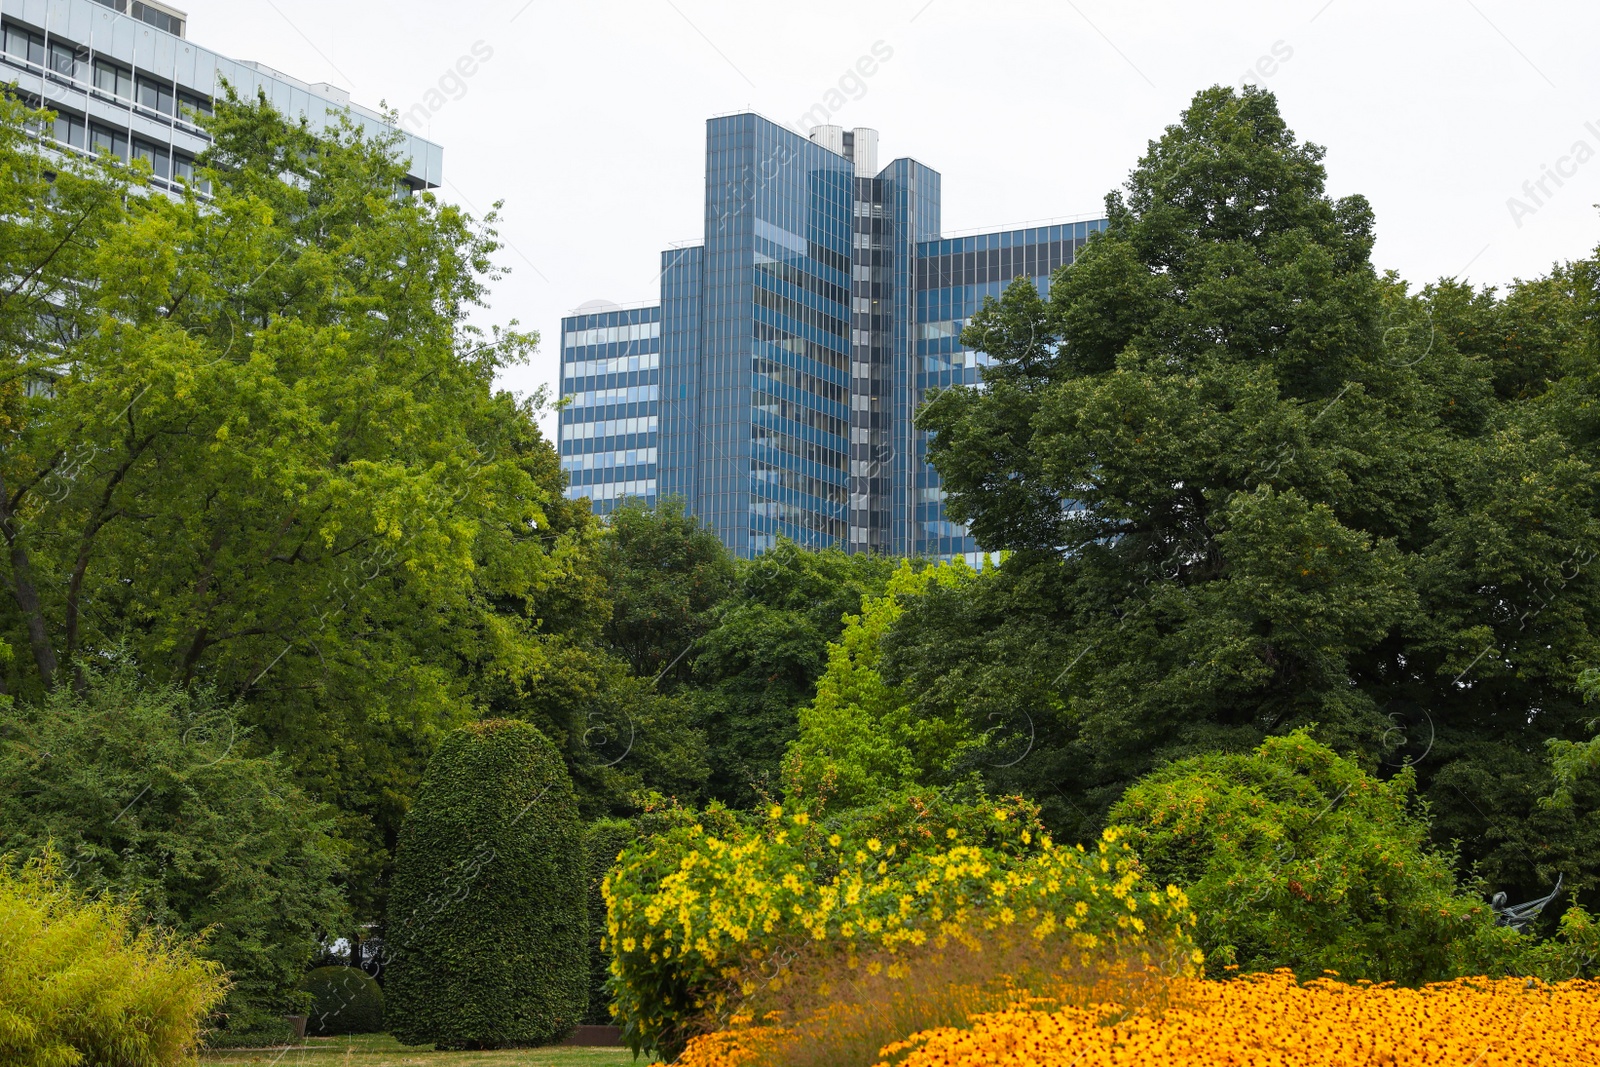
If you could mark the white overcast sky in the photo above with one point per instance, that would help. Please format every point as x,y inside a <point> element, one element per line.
<point>589,118</point>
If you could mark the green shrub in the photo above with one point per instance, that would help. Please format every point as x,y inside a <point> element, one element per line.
<point>344,1000</point>
<point>487,924</point>
<point>158,796</point>
<point>1294,857</point>
<point>606,838</point>
<point>82,981</point>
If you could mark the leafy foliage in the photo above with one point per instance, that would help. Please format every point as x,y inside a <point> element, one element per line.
<point>605,840</point>
<point>1572,759</point>
<point>344,1000</point>
<point>1295,858</point>
<point>760,663</point>
<point>861,739</point>
<point>1248,485</point>
<point>666,573</point>
<point>280,387</point>
<point>488,915</point>
<point>84,981</point>
<point>151,794</point>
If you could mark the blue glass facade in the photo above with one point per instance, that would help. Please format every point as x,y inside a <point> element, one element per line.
<point>680,372</point>
<point>792,348</point>
<point>611,380</point>
<point>953,278</point>
<point>772,378</point>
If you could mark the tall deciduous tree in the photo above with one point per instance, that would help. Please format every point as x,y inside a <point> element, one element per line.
<point>1250,485</point>
<point>271,459</point>
<point>761,662</point>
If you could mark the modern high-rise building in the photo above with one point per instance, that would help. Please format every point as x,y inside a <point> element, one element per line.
<point>123,77</point>
<point>611,374</point>
<point>775,386</point>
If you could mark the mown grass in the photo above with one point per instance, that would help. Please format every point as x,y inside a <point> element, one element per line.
<point>381,1050</point>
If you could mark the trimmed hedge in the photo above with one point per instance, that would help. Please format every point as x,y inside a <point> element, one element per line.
<point>606,838</point>
<point>487,924</point>
<point>344,1000</point>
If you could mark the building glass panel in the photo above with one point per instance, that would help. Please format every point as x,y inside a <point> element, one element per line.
<point>796,344</point>
<point>608,432</point>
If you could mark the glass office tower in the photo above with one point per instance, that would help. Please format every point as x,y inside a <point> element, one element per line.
<point>611,379</point>
<point>954,276</point>
<point>797,341</point>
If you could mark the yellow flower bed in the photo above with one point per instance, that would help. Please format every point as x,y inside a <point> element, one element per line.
<point>698,924</point>
<point>1273,1021</point>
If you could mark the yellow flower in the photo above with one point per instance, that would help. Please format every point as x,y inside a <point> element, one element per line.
<point>873,844</point>
<point>834,840</point>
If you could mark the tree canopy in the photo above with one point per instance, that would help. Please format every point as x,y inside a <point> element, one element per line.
<point>1250,485</point>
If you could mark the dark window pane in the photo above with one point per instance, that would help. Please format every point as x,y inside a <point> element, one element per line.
<point>63,60</point>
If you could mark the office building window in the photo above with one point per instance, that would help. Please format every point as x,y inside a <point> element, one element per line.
<point>157,96</point>
<point>24,44</point>
<point>103,138</point>
<point>70,129</point>
<point>110,78</point>
<point>159,158</point>
<point>161,20</point>
<point>66,60</point>
<point>193,102</point>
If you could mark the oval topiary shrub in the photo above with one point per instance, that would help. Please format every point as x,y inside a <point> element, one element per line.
<point>487,927</point>
<point>344,1000</point>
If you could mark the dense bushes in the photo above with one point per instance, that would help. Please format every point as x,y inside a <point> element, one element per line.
<point>83,981</point>
<point>862,737</point>
<point>605,839</point>
<point>344,1000</point>
<point>701,917</point>
<point>154,794</point>
<point>1294,857</point>
<point>487,921</point>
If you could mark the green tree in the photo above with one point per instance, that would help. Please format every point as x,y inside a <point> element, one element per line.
<point>605,839</point>
<point>488,925</point>
<point>620,735</point>
<point>760,663</point>
<point>1295,857</point>
<point>152,795</point>
<point>1574,759</point>
<point>861,738</point>
<point>1249,485</point>
<point>665,573</point>
<point>271,460</point>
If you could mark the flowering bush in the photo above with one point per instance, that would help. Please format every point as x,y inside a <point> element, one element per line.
<point>701,922</point>
<point>1270,1018</point>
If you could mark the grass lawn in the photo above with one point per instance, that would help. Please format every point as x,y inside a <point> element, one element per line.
<point>381,1050</point>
